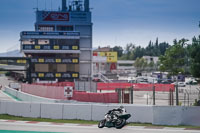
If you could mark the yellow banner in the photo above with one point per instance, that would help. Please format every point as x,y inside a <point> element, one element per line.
<point>111,56</point>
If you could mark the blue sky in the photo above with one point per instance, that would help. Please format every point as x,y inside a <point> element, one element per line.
<point>116,22</point>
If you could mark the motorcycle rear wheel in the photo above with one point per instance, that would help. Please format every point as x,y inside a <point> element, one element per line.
<point>101,124</point>
<point>120,123</point>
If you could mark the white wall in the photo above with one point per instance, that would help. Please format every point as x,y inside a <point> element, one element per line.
<point>157,115</point>
<point>28,97</point>
<point>77,111</point>
<point>176,115</point>
<point>191,116</point>
<point>167,115</point>
<point>20,109</point>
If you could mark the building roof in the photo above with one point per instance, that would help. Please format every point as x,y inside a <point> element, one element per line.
<point>103,49</point>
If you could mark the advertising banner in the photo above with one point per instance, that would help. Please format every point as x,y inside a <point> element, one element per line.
<point>111,57</point>
<point>65,17</point>
<point>55,16</point>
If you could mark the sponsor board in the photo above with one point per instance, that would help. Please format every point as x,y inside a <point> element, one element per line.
<point>111,57</point>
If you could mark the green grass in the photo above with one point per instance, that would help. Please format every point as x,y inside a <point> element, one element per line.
<point>2,72</point>
<point>150,125</point>
<point>9,117</point>
<point>8,131</point>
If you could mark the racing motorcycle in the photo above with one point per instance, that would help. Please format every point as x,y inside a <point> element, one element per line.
<point>115,118</point>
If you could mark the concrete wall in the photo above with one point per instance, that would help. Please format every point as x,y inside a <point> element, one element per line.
<point>176,115</point>
<point>27,97</point>
<point>144,114</point>
<point>158,115</point>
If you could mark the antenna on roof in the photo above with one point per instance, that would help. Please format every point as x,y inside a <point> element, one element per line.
<point>199,24</point>
<point>51,5</point>
<point>45,5</point>
<point>37,4</point>
<point>87,5</point>
<point>64,3</point>
<point>36,8</point>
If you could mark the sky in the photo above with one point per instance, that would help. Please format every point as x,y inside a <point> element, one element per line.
<point>116,22</point>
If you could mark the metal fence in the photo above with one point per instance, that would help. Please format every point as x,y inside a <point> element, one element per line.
<point>153,94</point>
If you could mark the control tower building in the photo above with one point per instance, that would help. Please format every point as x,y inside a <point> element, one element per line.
<point>60,48</point>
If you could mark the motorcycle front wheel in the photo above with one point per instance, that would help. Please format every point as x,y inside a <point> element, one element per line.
<point>120,123</point>
<point>101,124</point>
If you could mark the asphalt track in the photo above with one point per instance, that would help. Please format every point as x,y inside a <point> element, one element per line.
<point>9,131</point>
<point>7,126</point>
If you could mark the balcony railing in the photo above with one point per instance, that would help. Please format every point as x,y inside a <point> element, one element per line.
<point>49,47</point>
<point>55,60</point>
<point>49,75</point>
<point>41,33</point>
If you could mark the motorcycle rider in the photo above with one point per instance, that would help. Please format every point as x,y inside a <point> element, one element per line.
<point>113,113</point>
<point>115,118</point>
<point>121,109</point>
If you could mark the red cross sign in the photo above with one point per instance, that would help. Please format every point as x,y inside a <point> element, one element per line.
<point>68,91</point>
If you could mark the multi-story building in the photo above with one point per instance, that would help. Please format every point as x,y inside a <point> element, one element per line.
<point>61,45</point>
<point>104,60</point>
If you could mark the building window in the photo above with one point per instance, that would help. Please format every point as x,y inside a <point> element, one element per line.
<point>53,68</point>
<point>46,28</point>
<point>43,41</point>
<point>65,28</point>
<point>29,41</point>
<point>64,42</point>
<point>56,68</point>
<point>61,67</point>
<point>41,67</point>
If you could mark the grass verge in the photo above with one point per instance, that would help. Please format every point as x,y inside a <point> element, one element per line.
<point>9,117</point>
<point>150,125</point>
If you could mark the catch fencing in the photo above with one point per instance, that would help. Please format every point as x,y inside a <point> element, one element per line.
<point>96,97</point>
<point>57,92</point>
<point>146,94</point>
<point>136,86</point>
<point>137,93</point>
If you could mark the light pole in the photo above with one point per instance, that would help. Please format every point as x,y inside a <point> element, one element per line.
<point>177,100</point>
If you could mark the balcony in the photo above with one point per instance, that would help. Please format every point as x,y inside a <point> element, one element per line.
<point>49,75</point>
<point>55,60</point>
<point>49,35</point>
<point>31,48</point>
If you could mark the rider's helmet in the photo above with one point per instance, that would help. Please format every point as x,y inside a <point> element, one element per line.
<point>123,110</point>
<point>121,107</point>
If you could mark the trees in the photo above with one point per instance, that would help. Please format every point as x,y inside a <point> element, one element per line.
<point>140,64</point>
<point>133,52</point>
<point>119,50</point>
<point>128,53</point>
<point>194,51</point>
<point>174,59</point>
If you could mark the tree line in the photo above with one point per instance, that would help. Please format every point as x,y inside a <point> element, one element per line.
<point>180,57</point>
<point>132,52</point>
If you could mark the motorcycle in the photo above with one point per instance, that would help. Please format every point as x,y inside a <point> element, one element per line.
<point>115,118</point>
